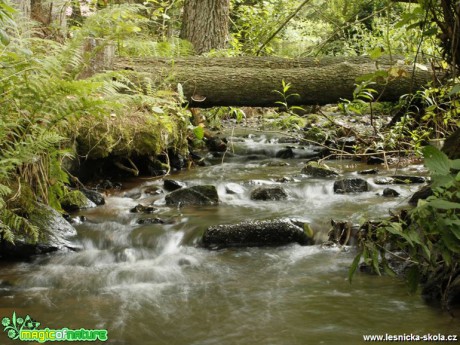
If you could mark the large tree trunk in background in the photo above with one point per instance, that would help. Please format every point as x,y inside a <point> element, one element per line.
<point>49,14</point>
<point>205,24</point>
<point>246,81</point>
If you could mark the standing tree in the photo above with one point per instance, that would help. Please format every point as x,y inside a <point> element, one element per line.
<point>205,24</point>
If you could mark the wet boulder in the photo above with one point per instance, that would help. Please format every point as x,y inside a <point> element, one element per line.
<point>56,234</point>
<point>350,185</point>
<point>316,169</point>
<point>422,193</point>
<point>285,153</point>
<point>234,188</point>
<point>266,193</point>
<point>196,195</point>
<point>94,196</point>
<point>155,220</point>
<point>389,192</point>
<point>254,234</point>
<point>406,179</point>
<point>75,200</point>
<point>172,185</point>
<point>368,172</point>
<point>142,209</point>
<point>400,179</point>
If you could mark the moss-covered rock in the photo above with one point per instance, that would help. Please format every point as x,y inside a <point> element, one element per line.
<point>75,200</point>
<point>276,232</point>
<point>196,195</point>
<point>55,234</point>
<point>132,134</point>
<point>316,169</point>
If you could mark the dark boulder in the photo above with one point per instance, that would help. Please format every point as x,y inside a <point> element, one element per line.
<point>350,185</point>
<point>176,160</point>
<point>56,234</point>
<point>389,192</point>
<point>155,220</point>
<point>368,172</point>
<point>142,209</point>
<point>316,169</point>
<point>285,153</point>
<point>253,234</point>
<point>422,193</point>
<point>216,144</point>
<point>94,196</point>
<point>266,193</point>
<point>400,179</point>
<point>172,185</point>
<point>373,160</point>
<point>196,195</point>
<point>406,179</point>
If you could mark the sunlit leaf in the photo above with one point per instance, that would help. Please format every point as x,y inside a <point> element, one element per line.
<point>354,266</point>
<point>198,131</point>
<point>436,161</point>
<point>444,204</point>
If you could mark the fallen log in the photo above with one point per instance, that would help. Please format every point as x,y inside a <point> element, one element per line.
<point>252,81</point>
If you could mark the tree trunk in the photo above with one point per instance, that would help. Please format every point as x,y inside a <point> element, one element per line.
<point>51,16</point>
<point>205,24</point>
<point>208,82</point>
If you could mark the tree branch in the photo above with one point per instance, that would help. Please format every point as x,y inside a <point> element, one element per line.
<point>282,26</point>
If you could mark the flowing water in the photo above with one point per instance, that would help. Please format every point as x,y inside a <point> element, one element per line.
<point>154,284</point>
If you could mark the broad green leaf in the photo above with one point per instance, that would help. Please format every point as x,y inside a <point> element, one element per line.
<point>455,89</point>
<point>375,53</point>
<point>158,110</point>
<point>4,38</point>
<point>455,164</point>
<point>354,266</point>
<point>413,278</point>
<point>444,204</point>
<point>198,131</point>
<point>375,261</point>
<point>308,230</point>
<point>388,270</point>
<point>451,242</point>
<point>436,161</point>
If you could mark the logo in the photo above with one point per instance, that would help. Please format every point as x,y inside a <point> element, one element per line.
<point>27,329</point>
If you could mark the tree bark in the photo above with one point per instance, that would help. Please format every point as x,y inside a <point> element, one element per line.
<point>208,82</point>
<point>205,24</point>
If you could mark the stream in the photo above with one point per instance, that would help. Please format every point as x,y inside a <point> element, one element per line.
<point>154,284</point>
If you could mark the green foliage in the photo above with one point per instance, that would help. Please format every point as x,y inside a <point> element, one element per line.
<point>44,104</point>
<point>363,96</point>
<point>430,238</point>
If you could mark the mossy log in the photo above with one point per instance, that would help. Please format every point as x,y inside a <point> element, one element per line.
<point>252,81</point>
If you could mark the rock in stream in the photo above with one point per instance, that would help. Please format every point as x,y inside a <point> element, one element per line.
<point>276,232</point>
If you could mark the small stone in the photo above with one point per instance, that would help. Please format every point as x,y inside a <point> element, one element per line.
<point>151,221</point>
<point>373,160</point>
<point>368,172</point>
<point>142,209</point>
